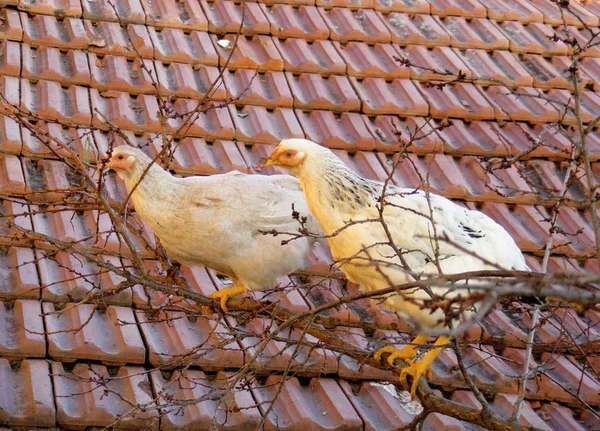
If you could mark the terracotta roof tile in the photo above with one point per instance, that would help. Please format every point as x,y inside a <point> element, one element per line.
<point>50,101</point>
<point>301,406</point>
<point>9,89</point>
<point>258,53</point>
<point>522,223</point>
<point>10,58</point>
<point>110,38</point>
<point>11,25</point>
<point>311,91</point>
<point>408,6</point>
<point>173,339</point>
<point>279,356</point>
<point>35,406</point>
<point>175,45</point>
<point>24,334</point>
<point>323,291</point>
<point>185,80</point>
<point>533,38</point>
<point>114,72</point>
<point>70,138</point>
<point>377,60</point>
<point>59,8</point>
<point>457,100</point>
<point>257,124</point>
<point>502,327</point>
<point>415,129</point>
<point>137,113</point>
<point>46,30</point>
<point>521,137</point>
<point>319,56</point>
<point>237,411</point>
<point>547,72</point>
<point>474,33</point>
<point>14,210</point>
<point>503,66</point>
<point>504,405</point>
<point>464,8</point>
<point>524,106</point>
<point>345,131</point>
<point>350,4</point>
<point>84,332</point>
<point>287,294</point>
<point>268,89</point>
<point>560,417</point>
<point>303,22</point>
<point>429,61</point>
<point>60,281</point>
<point>69,67</point>
<point>582,36</point>
<point>512,10</point>
<point>416,30</point>
<point>19,274</point>
<point>195,156</point>
<point>10,136</point>
<point>362,25</point>
<point>186,15</point>
<point>11,175</point>
<point>571,378</point>
<point>377,406</point>
<point>351,369</point>
<point>476,137</point>
<point>490,369</point>
<point>81,401</point>
<point>225,16</point>
<point>399,96</point>
<point>129,11</point>
<point>575,14</point>
<point>588,70</point>
<point>589,105</point>
<point>213,123</point>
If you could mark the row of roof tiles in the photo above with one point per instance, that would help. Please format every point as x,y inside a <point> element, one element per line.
<point>462,177</point>
<point>118,335</point>
<point>274,88</point>
<point>347,131</point>
<point>79,401</point>
<point>194,15</point>
<point>79,106</point>
<point>307,22</point>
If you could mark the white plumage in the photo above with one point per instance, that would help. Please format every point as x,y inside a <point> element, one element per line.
<point>458,240</point>
<point>216,221</point>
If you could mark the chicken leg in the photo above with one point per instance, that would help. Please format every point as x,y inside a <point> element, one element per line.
<point>422,367</point>
<point>228,292</point>
<point>405,354</point>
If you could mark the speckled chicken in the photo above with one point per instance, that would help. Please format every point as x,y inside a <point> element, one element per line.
<point>216,221</point>
<point>458,240</point>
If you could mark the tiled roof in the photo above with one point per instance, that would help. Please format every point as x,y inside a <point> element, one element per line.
<point>329,71</point>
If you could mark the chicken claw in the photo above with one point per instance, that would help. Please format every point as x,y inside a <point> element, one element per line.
<point>417,369</point>
<point>225,294</point>
<point>405,354</point>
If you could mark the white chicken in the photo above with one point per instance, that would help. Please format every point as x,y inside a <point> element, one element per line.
<point>216,221</point>
<point>347,207</point>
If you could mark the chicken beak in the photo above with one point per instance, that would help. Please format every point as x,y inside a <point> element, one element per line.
<point>272,162</point>
<point>103,166</point>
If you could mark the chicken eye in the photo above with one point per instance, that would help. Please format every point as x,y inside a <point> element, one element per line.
<point>120,157</point>
<point>289,154</point>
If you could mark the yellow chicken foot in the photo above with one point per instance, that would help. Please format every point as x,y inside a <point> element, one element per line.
<point>422,367</point>
<point>405,354</point>
<point>224,295</point>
